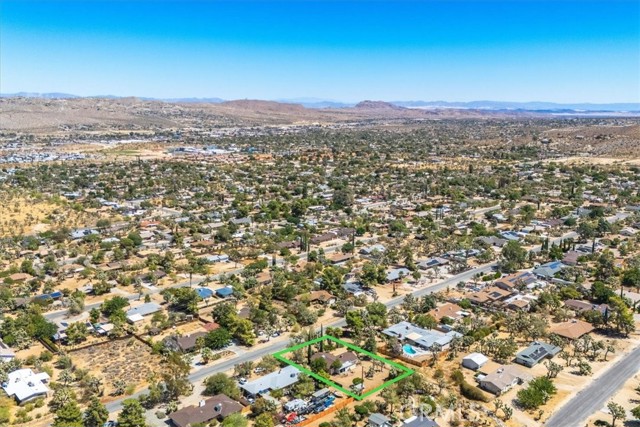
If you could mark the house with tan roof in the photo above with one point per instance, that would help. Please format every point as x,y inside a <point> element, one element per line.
<point>317,297</point>
<point>572,329</point>
<point>489,296</point>
<point>450,310</point>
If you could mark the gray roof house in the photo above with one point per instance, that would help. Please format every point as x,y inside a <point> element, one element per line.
<point>144,309</point>
<point>537,351</point>
<point>277,380</point>
<point>501,380</point>
<point>424,338</point>
<point>419,421</point>
<point>397,273</point>
<point>549,269</point>
<point>378,420</point>
<point>432,263</point>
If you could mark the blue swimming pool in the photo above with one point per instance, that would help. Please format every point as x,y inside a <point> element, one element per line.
<point>204,292</point>
<point>408,349</point>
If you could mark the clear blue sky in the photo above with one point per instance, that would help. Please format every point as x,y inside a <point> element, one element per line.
<point>454,50</point>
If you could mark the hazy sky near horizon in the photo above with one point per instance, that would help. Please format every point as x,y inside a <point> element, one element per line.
<point>453,50</point>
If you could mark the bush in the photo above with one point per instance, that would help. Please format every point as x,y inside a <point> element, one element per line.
<point>457,376</point>
<point>537,393</point>
<point>46,356</point>
<point>472,392</point>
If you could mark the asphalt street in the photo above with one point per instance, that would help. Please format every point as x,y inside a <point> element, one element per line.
<point>596,395</point>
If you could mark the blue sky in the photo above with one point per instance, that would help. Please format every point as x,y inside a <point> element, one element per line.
<point>454,50</point>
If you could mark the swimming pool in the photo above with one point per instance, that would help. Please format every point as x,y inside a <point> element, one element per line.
<point>409,350</point>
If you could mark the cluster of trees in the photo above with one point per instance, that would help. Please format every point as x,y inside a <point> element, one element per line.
<point>537,393</point>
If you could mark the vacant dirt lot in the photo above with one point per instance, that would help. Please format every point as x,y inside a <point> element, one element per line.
<point>126,359</point>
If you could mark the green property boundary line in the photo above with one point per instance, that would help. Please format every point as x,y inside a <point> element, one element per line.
<point>406,371</point>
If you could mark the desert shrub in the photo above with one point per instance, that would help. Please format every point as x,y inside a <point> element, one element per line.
<point>472,392</point>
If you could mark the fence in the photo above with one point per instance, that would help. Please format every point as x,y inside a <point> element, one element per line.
<point>326,412</point>
<point>107,341</point>
<point>405,359</point>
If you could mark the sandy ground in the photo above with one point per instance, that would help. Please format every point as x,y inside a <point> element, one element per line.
<point>596,161</point>
<point>627,396</point>
<point>568,381</point>
<point>24,215</point>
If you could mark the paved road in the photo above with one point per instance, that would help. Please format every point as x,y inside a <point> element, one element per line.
<point>261,351</point>
<point>596,395</point>
<point>258,352</point>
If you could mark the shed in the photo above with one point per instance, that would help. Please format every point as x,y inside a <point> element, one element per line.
<point>474,361</point>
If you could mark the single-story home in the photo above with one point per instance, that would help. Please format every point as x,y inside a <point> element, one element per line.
<point>277,380</point>
<point>423,338</point>
<point>184,343</point>
<point>378,420</point>
<point>571,257</point>
<point>224,292</point>
<point>492,241</point>
<point>536,352</point>
<point>511,282</point>
<point>20,277</point>
<point>217,408</point>
<point>581,306</point>
<point>432,263</point>
<point>320,297</point>
<point>419,421</point>
<point>368,250</point>
<point>474,361</point>
<point>548,270</point>
<point>450,310</point>
<point>347,360</point>
<point>501,380</point>
<point>489,296</point>
<point>397,273</point>
<point>572,329</point>
<point>24,385</point>
<point>144,309</point>
<point>6,353</point>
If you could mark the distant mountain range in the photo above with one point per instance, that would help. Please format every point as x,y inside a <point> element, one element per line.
<point>319,103</point>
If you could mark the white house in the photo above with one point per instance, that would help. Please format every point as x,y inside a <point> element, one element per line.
<point>474,361</point>
<point>24,385</point>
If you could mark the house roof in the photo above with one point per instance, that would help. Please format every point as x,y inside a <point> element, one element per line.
<point>397,273</point>
<point>211,326</point>
<point>450,310</point>
<point>503,377</point>
<point>25,384</point>
<point>322,296</point>
<point>144,309</point>
<point>422,337</point>
<point>347,356</point>
<point>419,421</point>
<point>273,381</point>
<point>537,351</point>
<point>571,257</point>
<point>478,358</point>
<point>513,280</point>
<point>549,269</point>
<point>573,329</point>
<point>218,406</point>
<point>432,262</point>
<point>188,342</point>
<point>581,306</point>
<point>378,419</point>
<point>224,292</point>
